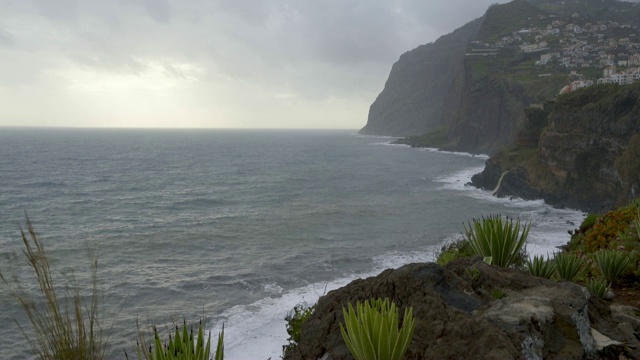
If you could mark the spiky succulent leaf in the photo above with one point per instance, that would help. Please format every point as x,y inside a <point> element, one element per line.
<point>371,331</point>
<point>611,263</point>
<point>568,266</point>
<point>496,239</point>
<point>541,267</point>
<point>597,287</point>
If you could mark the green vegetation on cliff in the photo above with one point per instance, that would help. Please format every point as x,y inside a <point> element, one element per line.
<point>611,243</point>
<point>501,20</point>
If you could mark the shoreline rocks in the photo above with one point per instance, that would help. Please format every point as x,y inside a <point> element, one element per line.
<point>458,316</point>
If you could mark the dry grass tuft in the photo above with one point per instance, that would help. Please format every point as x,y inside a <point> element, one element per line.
<point>62,326</point>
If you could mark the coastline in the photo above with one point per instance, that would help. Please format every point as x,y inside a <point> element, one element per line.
<point>544,239</point>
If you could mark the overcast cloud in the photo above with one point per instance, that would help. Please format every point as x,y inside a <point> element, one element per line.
<point>216,63</point>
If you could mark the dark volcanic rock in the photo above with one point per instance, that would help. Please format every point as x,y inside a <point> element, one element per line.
<point>489,177</point>
<point>458,318</point>
<point>514,183</point>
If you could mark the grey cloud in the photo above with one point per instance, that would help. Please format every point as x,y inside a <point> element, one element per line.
<point>157,9</point>
<point>112,63</point>
<point>254,13</point>
<point>174,72</point>
<point>69,12</point>
<point>6,39</point>
<point>311,49</point>
<point>59,10</point>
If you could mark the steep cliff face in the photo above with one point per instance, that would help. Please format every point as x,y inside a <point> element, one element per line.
<point>487,114</point>
<point>468,91</point>
<point>412,101</point>
<point>437,85</point>
<point>587,155</point>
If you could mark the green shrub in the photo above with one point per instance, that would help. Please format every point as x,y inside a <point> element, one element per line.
<point>473,273</point>
<point>498,294</point>
<point>65,327</point>
<point>295,318</point>
<point>598,287</point>
<point>611,263</point>
<point>446,257</point>
<point>182,346</point>
<point>568,266</point>
<point>500,242</point>
<point>608,228</point>
<point>454,250</point>
<point>588,222</point>
<point>540,267</point>
<point>372,331</point>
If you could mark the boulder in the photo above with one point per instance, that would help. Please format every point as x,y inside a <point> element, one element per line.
<point>472,310</point>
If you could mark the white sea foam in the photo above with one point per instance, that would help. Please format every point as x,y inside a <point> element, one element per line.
<point>460,180</point>
<point>435,150</point>
<point>390,143</point>
<point>374,136</point>
<point>457,153</point>
<point>549,225</point>
<point>258,331</point>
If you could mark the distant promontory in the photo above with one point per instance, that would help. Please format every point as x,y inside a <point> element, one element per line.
<point>550,81</point>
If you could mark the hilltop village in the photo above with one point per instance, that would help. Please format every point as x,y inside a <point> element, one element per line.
<point>593,53</point>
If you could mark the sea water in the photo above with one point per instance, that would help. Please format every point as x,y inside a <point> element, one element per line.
<point>233,226</point>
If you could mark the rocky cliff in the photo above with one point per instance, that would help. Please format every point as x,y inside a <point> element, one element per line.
<point>458,316</point>
<point>439,85</point>
<point>468,91</point>
<point>412,101</point>
<point>581,151</point>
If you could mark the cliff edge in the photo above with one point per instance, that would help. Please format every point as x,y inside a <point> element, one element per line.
<point>581,151</point>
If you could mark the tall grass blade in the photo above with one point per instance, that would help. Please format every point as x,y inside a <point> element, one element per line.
<point>62,326</point>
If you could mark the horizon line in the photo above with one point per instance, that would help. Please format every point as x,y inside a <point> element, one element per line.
<point>162,128</point>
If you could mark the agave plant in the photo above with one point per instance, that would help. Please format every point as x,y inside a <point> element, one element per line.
<point>540,267</point>
<point>598,287</point>
<point>568,266</point>
<point>372,331</point>
<point>182,346</point>
<point>611,263</point>
<point>498,241</point>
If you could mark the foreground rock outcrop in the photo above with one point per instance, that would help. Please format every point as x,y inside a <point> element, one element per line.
<point>470,310</point>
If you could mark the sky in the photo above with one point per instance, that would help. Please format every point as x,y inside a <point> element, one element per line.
<point>208,63</point>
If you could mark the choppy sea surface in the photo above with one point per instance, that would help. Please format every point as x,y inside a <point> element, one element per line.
<point>233,226</point>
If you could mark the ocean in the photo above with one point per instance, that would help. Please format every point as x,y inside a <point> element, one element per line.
<point>233,226</point>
